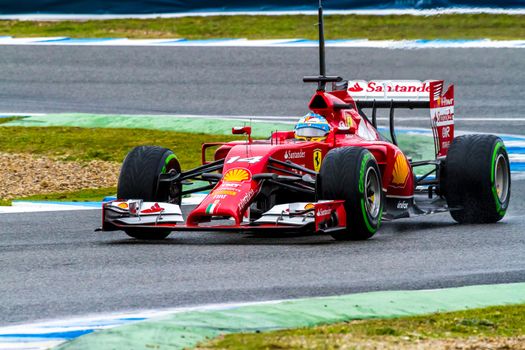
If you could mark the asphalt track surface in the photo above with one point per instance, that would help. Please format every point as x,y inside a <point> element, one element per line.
<point>52,265</point>
<point>247,81</point>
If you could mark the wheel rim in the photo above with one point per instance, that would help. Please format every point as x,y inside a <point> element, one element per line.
<point>372,193</point>
<point>501,178</point>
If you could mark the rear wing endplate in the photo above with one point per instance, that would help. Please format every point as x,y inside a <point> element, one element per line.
<point>411,94</point>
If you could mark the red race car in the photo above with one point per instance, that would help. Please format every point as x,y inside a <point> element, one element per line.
<point>333,174</point>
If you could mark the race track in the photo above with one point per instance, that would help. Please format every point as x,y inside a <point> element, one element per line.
<point>53,265</point>
<point>248,81</point>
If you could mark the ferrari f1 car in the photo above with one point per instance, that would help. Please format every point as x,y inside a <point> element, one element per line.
<point>344,184</point>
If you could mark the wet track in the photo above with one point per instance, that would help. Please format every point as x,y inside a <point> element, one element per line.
<point>53,265</point>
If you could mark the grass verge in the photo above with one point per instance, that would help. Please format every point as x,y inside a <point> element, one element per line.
<point>500,327</point>
<point>394,27</point>
<point>84,144</point>
<point>9,119</point>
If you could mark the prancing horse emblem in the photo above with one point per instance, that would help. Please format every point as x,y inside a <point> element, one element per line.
<point>318,159</point>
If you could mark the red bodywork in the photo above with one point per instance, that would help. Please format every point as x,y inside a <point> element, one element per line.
<point>245,165</point>
<point>234,193</point>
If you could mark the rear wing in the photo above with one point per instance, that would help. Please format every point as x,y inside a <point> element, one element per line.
<point>409,94</point>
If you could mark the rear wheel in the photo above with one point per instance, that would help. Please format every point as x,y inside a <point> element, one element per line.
<point>139,179</point>
<point>352,174</point>
<point>477,179</point>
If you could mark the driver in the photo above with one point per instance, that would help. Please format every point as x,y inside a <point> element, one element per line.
<point>312,127</point>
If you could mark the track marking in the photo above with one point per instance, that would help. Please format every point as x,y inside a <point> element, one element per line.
<point>371,12</point>
<point>280,43</point>
<point>188,326</point>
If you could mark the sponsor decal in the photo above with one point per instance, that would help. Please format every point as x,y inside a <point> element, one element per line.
<point>309,206</point>
<point>318,159</point>
<point>294,155</point>
<point>231,185</point>
<point>445,132</point>
<point>210,209</point>
<point>355,88</point>
<point>401,171</point>
<point>323,212</point>
<point>246,199</point>
<point>445,102</point>
<point>123,205</point>
<point>219,196</point>
<point>349,117</point>
<point>443,118</point>
<point>237,175</point>
<point>397,87</point>
<point>250,160</point>
<point>225,193</point>
<point>155,208</point>
<point>402,205</point>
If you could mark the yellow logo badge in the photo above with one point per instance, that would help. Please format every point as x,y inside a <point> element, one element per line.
<point>123,205</point>
<point>237,175</point>
<point>401,170</point>
<point>318,159</point>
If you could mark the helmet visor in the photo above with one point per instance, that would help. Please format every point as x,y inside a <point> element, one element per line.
<point>310,132</point>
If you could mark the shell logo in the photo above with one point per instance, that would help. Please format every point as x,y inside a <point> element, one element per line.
<point>237,175</point>
<point>309,206</point>
<point>401,170</point>
<point>123,205</point>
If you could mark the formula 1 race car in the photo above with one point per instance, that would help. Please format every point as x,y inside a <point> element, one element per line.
<point>344,183</point>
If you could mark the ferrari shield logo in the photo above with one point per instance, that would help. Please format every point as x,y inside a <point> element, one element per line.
<point>318,159</point>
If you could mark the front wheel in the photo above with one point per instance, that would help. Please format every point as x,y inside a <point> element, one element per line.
<point>139,179</point>
<point>477,179</point>
<point>352,174</point>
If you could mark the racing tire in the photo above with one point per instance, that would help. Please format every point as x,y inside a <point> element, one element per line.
<point>352,174</point>
<point>139,179</point>
<point>477,179</point>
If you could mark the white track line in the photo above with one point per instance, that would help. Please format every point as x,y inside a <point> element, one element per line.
<point>371,12</point>
<point>259,118</point>
<point>281,43</point>
<point>37,335</point>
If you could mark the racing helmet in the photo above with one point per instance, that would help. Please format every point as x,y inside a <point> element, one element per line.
<point>312,127</point>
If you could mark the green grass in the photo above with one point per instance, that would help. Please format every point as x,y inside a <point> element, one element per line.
<point>492,322</point>
<point>9,119</point>
<point>104,144</point>
<point>81,144</point>
<point>450,26</point>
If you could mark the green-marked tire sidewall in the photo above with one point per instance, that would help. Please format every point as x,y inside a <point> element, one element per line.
<point>372,224</point>
<point>342,177</point>
<point>499,149</point>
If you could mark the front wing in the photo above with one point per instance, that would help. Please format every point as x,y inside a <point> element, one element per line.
<point>321,217</point>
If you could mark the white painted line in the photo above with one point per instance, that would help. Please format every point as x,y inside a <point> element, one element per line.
<point>371,12</point>
<point>284,119</point>
<point>26,41</point>
<point>281,43</point>
<point>29,207</point>
<point>35,334</point>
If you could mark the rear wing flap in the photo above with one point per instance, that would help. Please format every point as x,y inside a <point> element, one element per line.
<point>408,94</point>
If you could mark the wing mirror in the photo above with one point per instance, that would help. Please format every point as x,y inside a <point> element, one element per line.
<point>243,130</point>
